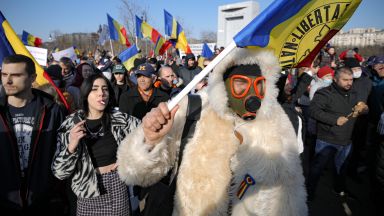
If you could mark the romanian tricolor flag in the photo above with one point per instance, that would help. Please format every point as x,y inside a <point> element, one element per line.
<point>176,32</point>
<point>296,29</point>
<point>31,40</point>
<point>10,44</point>
<point>143,29</point>
<point>117,31</point>
<point>162,45</point>
<point>128,57</point>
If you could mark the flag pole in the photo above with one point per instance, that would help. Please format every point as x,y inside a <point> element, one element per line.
<point>201,75</point>
<point>110,42</point>
<point>166,51</point>
<point>137,45</point>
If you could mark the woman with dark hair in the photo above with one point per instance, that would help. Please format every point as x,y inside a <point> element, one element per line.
<point>120,81</point>
<point>88,141</point>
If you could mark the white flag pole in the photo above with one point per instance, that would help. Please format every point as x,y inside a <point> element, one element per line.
<point>137,45</point>
<point>201,75</point>
<point>110,42</point>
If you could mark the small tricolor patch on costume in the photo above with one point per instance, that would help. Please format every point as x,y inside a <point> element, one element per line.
<point>245,184</point>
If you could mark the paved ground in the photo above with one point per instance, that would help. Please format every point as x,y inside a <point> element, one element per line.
<point>327,203</point>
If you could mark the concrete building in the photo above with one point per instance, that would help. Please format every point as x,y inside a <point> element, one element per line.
<point>232,18</point>
<point>359,37</point>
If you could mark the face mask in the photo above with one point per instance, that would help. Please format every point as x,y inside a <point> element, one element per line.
<point>246,100</point>
<point>357,74</point>
<point>328,81</point>
<point>175,81</point>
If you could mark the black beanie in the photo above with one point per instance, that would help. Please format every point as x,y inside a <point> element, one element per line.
<point>189,56</point>
<point>351,63</point>
<point>246,70</point>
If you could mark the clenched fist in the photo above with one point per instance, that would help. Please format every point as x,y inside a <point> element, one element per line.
<point>341,121</point>
<point>158,122</point>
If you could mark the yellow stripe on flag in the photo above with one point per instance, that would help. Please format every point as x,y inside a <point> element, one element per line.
<point>146,29</point>
<point>129,63</point>
<point>19,48</point>
<point>174,29</point>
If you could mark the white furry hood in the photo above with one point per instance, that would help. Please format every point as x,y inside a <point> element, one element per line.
<point>270,69</point>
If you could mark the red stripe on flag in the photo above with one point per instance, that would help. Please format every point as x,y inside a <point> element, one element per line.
<point>155,35</point>
<point>165,47</point>
<point>188,49</point>
<point>124,32</point>
<point>61,96</point>
<point>38,42</point>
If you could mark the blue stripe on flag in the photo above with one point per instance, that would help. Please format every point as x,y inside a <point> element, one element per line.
<point>5,47</point>
<point>257,32</point>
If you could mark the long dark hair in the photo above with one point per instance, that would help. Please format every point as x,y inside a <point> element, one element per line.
<point>86,88</point>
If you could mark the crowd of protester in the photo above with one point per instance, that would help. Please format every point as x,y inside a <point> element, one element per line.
<point>47,170</point>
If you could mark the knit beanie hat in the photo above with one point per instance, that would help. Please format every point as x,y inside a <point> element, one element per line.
<point>324,71</point>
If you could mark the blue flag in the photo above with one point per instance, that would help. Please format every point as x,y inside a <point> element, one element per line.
<point>206,53</point>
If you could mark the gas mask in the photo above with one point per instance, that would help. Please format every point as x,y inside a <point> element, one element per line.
<point>245,94</point>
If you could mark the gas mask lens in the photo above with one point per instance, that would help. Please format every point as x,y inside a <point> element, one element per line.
<point>240,86</point>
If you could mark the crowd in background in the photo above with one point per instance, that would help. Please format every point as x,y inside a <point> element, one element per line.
<point>339,101</point>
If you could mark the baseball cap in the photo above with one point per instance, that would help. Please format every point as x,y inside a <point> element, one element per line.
<point>119,68</point>
<point>145,69</point>
<point>378,60</point>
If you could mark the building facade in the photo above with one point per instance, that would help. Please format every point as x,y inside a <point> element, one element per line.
<point>232,18</point>
<point>359,37</point>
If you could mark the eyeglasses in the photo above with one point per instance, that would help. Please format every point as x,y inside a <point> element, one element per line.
<point>240,86</point>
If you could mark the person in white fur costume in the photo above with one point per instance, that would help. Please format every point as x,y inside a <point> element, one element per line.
<point>243,158</point>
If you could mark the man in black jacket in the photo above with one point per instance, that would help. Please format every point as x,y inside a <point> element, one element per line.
<point>141,99</point>
<point>335,108</point>
<point>190,69</point>
<point>29,120</point>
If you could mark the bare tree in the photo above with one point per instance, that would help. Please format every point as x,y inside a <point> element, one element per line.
<point>128,10</point>
<point>208,36</point>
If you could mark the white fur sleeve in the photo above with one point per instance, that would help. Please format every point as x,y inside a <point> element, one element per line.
<point>139,164</point>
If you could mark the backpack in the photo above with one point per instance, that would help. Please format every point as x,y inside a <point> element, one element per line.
<point>160,196</point>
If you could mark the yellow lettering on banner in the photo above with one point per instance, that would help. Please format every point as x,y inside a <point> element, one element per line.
<point>295,38</point>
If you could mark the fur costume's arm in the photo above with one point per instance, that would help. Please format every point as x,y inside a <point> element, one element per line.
<point>139,163</point>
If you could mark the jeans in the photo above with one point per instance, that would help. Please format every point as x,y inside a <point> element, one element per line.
<point>342,152</point>
<point>325,151</point>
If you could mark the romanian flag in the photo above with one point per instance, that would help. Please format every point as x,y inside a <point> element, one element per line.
<point>296,29</point>
<point>206,52</point>
<point>117,31</point>
<point>10,44</point>
<point>162,45</point>
<point>176,32</point>
<point>143,29</point>
<point>128,57</point>
<point>31,40</point>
